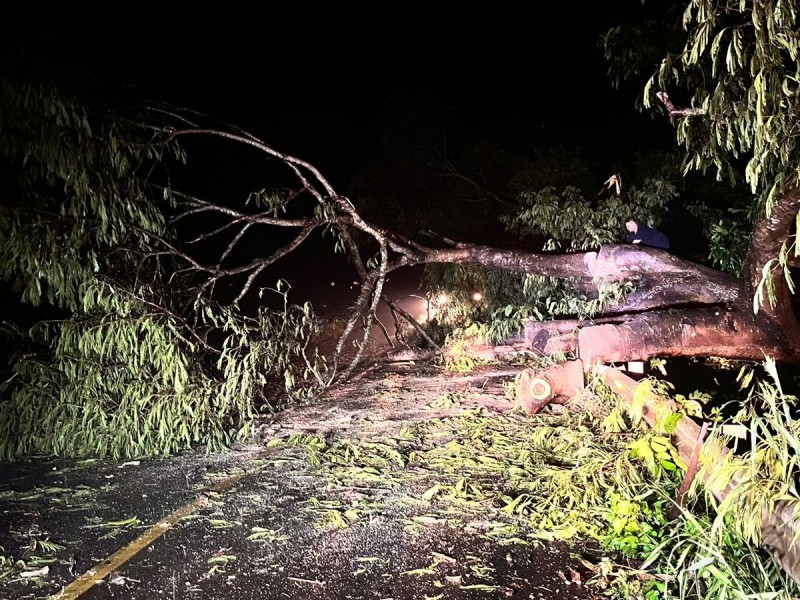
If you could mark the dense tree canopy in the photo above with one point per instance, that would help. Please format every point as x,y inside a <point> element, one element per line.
<point>145,345</point>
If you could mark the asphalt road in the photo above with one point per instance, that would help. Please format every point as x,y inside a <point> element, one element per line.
<point>263,521</point>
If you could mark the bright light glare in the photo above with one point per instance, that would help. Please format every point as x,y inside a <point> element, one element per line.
<point>477,296</point>
<point>442,298</point>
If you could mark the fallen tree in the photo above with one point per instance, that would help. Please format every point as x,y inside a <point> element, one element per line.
<point>677,307</point>
<point>144,282</point>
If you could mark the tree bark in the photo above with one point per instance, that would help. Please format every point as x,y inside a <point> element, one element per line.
<point>678,308</point>
<point>727,332</point>
<point>662,279</point>
<point>683,309</point>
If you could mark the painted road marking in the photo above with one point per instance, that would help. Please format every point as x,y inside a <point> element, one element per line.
<point>102,569</point>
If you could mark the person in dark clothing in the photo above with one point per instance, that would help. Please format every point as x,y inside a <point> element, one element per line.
<point>639,233</point>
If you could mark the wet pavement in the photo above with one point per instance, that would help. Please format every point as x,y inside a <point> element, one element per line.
<point>264,520</point>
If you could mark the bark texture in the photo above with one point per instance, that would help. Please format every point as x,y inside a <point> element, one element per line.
<point>678,307</point>
<point>681,308</point>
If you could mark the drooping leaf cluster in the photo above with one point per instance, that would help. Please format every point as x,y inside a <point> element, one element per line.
<point>131,361</point>
<point>121,379</point>
<point>75,200</point>
<point>741,61</point>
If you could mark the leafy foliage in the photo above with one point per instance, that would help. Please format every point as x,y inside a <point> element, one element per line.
<point>559,221</point>
<point>765,471</point>
<point>78,203</point>
<point>740,66</point>
<point>121,380</point>
<point>747,54</point>
<point>128,365</point>
<point>728,232</point>
<point>568,220</point>
<point>636,526</point>
<point>711,549</point>
<point>528,479</point>
<point>698,562</point>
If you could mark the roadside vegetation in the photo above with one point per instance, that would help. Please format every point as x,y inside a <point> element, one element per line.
<point>141,346</point>
<point>596,476</point>
<point>591,474</point>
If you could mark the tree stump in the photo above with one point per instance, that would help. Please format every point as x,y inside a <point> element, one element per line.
<point>554,385</point>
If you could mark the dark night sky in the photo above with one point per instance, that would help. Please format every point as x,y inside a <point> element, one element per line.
<point>313,85</point>
<point>311,81</point>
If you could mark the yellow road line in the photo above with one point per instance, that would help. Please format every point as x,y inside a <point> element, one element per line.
<point>102,569</point>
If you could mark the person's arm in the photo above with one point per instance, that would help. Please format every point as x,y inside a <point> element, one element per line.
<point>646,235</point>
<point>632,239</point>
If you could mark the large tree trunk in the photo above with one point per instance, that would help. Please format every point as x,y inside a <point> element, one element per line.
<point>661,278</point>
<point>727,332</point>
<point>678,307</point>
<point>698,311</point>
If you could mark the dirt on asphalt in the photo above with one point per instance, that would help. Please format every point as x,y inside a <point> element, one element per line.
<point>267,520</point>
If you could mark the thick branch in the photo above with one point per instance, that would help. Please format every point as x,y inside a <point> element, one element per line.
<point>714,319</point>
<point>771,230</point>
<point>662,279</point>
<point>563,265</point>
<point>731,332</point>
<point>678,112</point>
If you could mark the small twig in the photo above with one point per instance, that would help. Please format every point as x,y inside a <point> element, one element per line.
<point>678,112</point>
<point>413,321</point>
<point>301,580</point>
<point>384,331</point>
<point>441,238</point>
